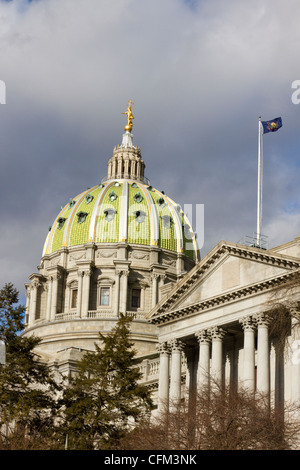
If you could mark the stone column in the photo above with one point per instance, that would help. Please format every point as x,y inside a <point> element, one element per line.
<point>126,166</point>
<point>54,291</point>
<point>124,290</point>
<point>109,169</point>
<point>132,169</point>
<point>154,277</point>
<point>117,293</point>
<point>138,170</point>
<point>27,309</point>
<point>175,385</point>
<point>163,381</point>
<point>79,293</point>
<point>113,168</point>
<point>249,326</point>
<point>228,369</point>
<point>204,340</point>
<point>217,335</point>
<point>49,299</point>
<point>263,354</point>
<point>120,167</point>
<point>33,299</point>
<point>29,296</point>
<point>67,302</point>
<point>85,292</point>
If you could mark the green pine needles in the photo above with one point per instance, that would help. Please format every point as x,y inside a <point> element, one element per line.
<point>28,405</point>
<point>105,399</point>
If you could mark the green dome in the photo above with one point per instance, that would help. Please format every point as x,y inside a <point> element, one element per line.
<point>122,210</point>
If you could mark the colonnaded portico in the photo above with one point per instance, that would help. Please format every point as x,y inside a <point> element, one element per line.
<point>217,356</point>
<point>229,338</point>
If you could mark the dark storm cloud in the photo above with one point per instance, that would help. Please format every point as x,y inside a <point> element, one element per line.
<point>199,73</point>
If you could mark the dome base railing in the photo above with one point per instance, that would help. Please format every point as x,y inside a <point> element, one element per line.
<point>91,315</point>
<point>141,179</point>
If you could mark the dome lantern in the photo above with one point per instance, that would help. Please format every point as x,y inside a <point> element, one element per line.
<point>126,161</point>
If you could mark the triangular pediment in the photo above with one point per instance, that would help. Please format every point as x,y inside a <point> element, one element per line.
<point>227,269</point>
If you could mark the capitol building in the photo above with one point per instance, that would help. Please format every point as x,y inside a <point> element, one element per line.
<point>125,247</point>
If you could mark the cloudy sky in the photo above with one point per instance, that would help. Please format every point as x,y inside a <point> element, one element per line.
<point>200,73</point>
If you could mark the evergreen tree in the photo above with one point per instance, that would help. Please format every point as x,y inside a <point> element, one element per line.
<point>27,389</point>
<point>11,314</point>
<point>105,396</point>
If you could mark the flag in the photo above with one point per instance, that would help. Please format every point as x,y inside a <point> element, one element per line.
<point>271,126</point>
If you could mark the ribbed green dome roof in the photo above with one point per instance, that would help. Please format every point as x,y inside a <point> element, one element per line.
<point>122,210</point>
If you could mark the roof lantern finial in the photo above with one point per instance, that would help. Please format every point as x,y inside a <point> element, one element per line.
<point>130,117</point>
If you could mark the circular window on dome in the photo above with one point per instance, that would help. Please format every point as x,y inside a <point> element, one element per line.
<point>134,185</point>
<point>60,223</point>
<point>139,216</point>
<point>71,203</point>
<point>81,217</point>
<point>89,198</point>
<point>117,184</point>
<point>161,202</point>
<point>112,196</point>
<point>138,197</point>
<point>109,214</point>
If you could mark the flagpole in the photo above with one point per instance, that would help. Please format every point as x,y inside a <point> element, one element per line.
<point>259,185</point>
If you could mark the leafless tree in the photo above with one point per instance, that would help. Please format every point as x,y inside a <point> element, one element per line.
<point>218,419</point>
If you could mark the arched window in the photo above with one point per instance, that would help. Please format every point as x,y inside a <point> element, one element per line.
<point>74,296</point>
<point>135,298</point>
<point>104,296</point>
<point>104,291</point>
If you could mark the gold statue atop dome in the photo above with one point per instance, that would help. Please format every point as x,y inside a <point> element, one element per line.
<point>130,117</point>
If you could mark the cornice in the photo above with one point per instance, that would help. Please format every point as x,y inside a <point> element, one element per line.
<point>263,256</point>
<point>227,297</point>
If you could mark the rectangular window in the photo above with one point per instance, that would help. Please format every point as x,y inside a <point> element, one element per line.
<point>104,295</point>
<point>136,298</point>
<point>74,298</point>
